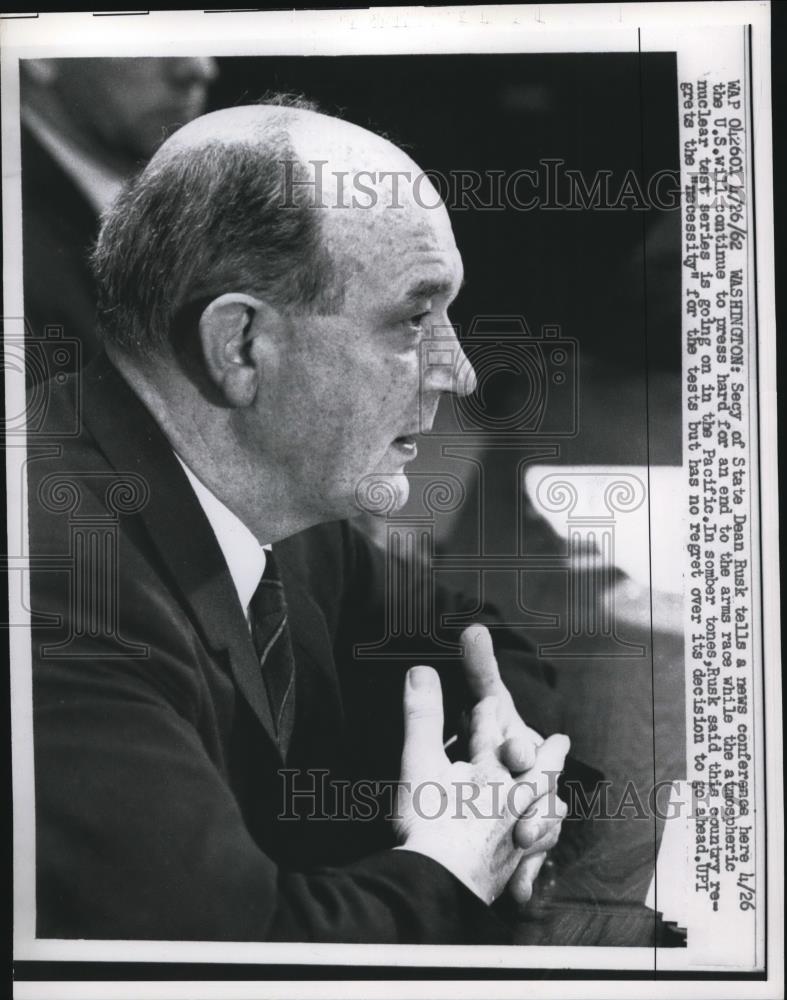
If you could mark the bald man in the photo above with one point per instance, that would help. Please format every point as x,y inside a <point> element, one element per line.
<point>212,758</point>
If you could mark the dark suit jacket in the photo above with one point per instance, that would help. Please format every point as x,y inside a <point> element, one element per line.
<point>158,784</point>
<point>59,226</point>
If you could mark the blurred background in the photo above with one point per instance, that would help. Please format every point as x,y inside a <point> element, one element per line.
<point>602,283</point>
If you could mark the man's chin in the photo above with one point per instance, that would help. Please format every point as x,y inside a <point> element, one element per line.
<point>382,493</point>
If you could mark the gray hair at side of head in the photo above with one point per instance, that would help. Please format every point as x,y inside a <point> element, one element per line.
<point>205,220</point>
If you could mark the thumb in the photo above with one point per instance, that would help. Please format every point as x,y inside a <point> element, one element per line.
<point>478,655</point>
<point>423,724</point>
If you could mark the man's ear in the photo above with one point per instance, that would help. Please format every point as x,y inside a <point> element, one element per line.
<point>236,334</point>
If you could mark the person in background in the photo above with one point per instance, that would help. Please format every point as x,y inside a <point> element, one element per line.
<point>87,126</point>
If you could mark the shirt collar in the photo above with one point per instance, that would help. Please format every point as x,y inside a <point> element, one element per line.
<point>244,555</point>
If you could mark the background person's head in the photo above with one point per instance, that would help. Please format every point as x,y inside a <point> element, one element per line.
<point>118,110</point>
<point>276,328</point>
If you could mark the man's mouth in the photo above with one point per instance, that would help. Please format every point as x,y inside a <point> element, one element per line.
<point>406,444</point>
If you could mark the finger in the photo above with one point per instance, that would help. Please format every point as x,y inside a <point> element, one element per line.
<point>550,761</point>
<point>545,842</point>
<point>481,670</point>
<point>537,839</point>
<point>520,885</point>
<point>518,753</point>
<point>542,778</point>
<point>539,829</point>
<point>485,735</point>
<point>423,723</point>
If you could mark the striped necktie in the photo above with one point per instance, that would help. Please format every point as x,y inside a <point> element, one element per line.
<point>271,635</point>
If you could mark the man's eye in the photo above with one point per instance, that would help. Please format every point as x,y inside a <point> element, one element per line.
<point>416,323</point>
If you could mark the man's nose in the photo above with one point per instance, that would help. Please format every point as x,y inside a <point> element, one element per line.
<point>446,367</point>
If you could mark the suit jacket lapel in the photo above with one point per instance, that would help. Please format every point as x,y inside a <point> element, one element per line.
<point>131,440</point>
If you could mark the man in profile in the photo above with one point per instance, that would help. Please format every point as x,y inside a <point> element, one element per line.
<point>198,700</point>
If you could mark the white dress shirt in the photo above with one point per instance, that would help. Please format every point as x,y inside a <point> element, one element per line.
<point>244,555</point>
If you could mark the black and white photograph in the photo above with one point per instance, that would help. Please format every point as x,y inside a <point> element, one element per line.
<point>390,468</point>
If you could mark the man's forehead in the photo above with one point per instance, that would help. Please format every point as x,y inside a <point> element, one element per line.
<point>413,249</point>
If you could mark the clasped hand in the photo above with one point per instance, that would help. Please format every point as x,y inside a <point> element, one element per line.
<point>491,819</point>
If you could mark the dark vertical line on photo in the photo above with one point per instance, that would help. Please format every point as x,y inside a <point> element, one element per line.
<point>647,466</point>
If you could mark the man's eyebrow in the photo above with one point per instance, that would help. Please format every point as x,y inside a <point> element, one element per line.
<point>429,287</point>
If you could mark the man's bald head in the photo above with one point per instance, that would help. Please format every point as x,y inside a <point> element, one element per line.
<point>311,135</point>
<point>241,199</point>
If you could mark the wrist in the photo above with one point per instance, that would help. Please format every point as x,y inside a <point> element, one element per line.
<point>452,860</point>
